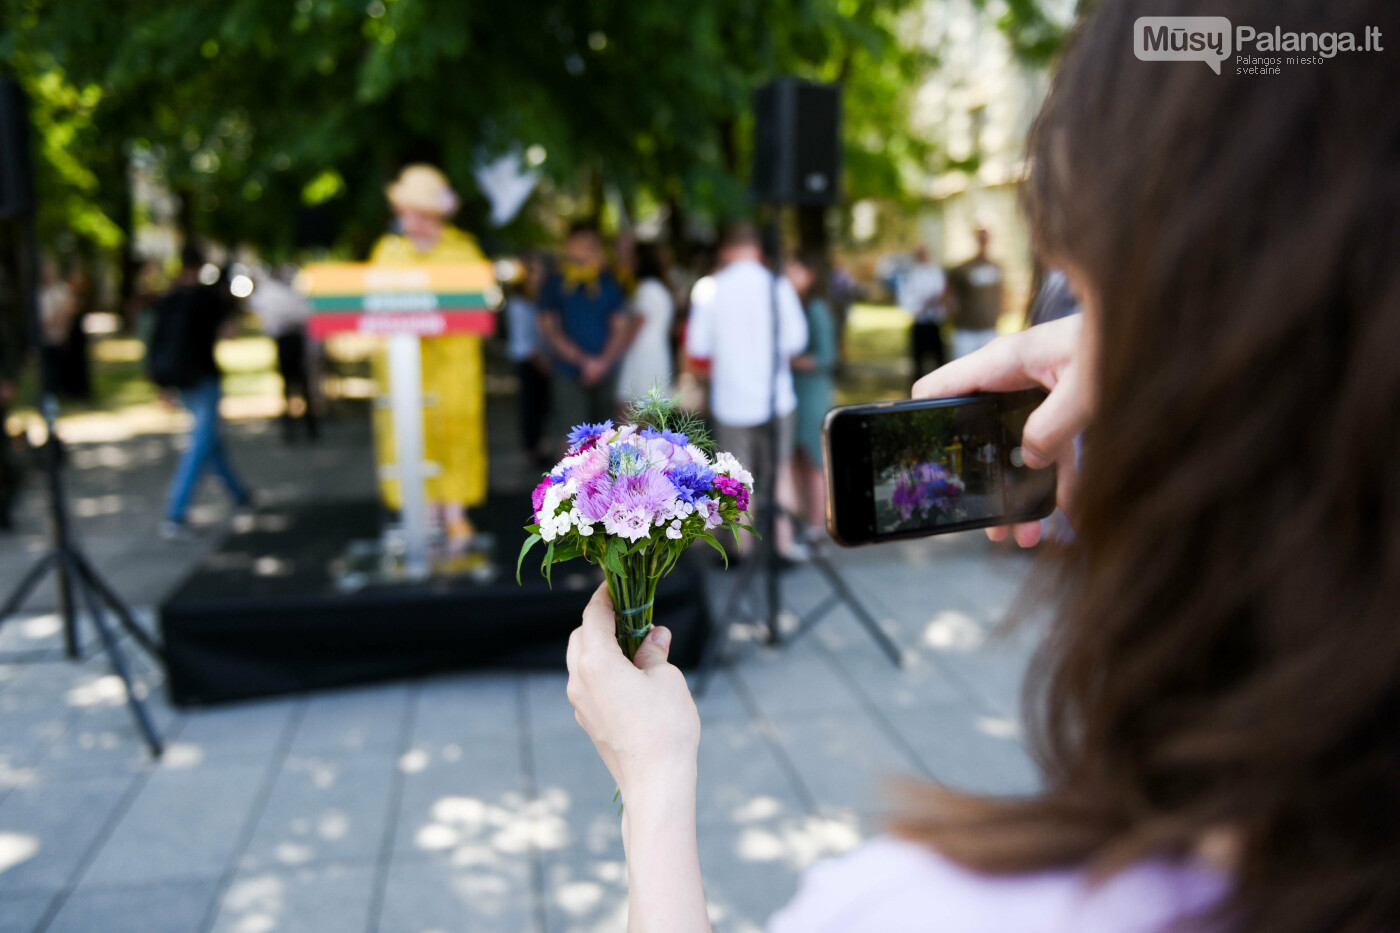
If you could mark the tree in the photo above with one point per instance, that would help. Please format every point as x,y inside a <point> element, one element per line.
<point>254,109</point>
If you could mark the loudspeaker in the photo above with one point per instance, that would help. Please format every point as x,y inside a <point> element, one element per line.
<point>16,167</point>
<point>797,143</point>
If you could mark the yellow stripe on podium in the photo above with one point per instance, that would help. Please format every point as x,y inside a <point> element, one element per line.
<point>353,278</point>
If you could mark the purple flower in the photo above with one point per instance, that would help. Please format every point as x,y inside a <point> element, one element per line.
<point>675,437</point>
<point>692,481</point>
<point>586,435</point>
<point>649,491</point>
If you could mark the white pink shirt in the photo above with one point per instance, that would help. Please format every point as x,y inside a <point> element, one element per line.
<point>893,886</point>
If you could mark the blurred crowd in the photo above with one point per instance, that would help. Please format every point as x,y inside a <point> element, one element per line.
<point>589,328</point>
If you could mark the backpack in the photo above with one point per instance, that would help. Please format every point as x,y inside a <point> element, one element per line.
<point>171,361</point>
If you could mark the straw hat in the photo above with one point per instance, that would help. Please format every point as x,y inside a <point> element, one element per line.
<point>422,187</point>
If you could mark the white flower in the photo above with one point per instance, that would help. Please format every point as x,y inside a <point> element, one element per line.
<point>674,531</point>
<point>697,455</point>
<point>585,528</point>
<point>727,465</point>
<point>553,496</point>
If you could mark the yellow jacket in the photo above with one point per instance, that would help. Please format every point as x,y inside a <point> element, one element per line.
<point>454,401</point>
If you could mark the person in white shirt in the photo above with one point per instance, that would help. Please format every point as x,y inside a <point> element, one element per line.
<point>647,363</point>
<point>731,327</point>
<point>921,290</point>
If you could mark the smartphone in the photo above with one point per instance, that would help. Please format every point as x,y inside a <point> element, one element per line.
<point>930,466</point>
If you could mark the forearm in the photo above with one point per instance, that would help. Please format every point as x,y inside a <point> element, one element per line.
<point>665,890</point>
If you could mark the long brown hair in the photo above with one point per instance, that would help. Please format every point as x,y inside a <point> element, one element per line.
<point>1225,649</point>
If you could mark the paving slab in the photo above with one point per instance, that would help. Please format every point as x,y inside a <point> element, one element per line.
<point>323,809</point>
<point>48,828</point>
<point>299,900</point>
<point>465,798</point>
<point>184,824</point>
<point>474,891</point>
<point>353,721</point>
<point>843,760</point>
<point>170,907</point>
<point>969,750</point>
<point>22,913</point>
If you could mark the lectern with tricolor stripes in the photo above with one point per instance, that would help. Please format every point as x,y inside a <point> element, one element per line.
<point>405,304</point>
<point>426,300</point>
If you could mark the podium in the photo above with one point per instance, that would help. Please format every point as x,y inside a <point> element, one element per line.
<point>405,304</point>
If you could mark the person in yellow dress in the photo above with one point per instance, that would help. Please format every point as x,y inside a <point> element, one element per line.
<point>454,403</point>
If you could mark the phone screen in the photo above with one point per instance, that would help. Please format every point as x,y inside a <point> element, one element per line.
<point>936,465</point>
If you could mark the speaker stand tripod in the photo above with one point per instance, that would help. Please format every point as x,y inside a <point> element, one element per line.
<point>74,573</point>
<point>764,565</point>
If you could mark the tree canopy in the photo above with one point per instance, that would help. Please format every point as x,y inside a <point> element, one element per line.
<point>253,109</point>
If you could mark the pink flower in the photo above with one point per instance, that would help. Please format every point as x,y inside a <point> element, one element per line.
<point>537,497</point>
<point>627,521</point>
<point>591,464</point>
<point>728,485</point>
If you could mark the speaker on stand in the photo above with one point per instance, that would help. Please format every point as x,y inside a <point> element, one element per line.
<point>796,162</point>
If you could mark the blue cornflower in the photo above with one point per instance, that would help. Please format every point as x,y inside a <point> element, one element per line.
<point>675,437</point>
<point>692,481</point>
<point>625,460</point>
<point>562,477</point>
<point>583,433</point>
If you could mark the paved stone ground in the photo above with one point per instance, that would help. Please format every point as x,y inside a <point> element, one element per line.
<point>467,802</point>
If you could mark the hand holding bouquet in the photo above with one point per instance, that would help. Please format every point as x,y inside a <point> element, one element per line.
<point>631,498</point>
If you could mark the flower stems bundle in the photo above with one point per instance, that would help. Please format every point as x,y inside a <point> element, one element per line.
<point>631,499</point>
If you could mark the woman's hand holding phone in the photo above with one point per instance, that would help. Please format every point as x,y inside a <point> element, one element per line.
<point>1052,356</point>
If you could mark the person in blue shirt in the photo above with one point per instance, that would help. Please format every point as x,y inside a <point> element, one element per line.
<point>585,322</point>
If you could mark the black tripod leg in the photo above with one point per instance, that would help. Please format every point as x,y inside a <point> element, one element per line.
<point>68,610</point>
<point>26,586</point>
<point>119,608</point>
<point>114,656</point>
<point>843,592</point>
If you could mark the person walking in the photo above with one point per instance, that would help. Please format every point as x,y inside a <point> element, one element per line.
<point>813,379</point>
<point>647,363</point>
<point>732,329</point>
<point>587,327</point>
<point>527,354</point>
<point>976,293</point>
<point>188,321</point>
<point>921,290</point>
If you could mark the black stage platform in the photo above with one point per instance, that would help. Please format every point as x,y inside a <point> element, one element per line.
<point>263,614</point>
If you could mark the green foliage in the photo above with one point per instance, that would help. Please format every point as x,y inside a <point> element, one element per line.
<point>661,413</point>
<point>251,108</point>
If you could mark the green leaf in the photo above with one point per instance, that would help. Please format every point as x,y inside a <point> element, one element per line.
<point>548,565</point>
<point>612,558</point>
<point>710,540</point>
<point>525,549</point>
<point>567,551</point>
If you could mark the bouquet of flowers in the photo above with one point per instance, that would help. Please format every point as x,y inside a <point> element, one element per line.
<point>631,498</point>
<point>925,488</point>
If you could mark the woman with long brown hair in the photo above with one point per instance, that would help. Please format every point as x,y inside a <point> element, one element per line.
<point>1216,705</point>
